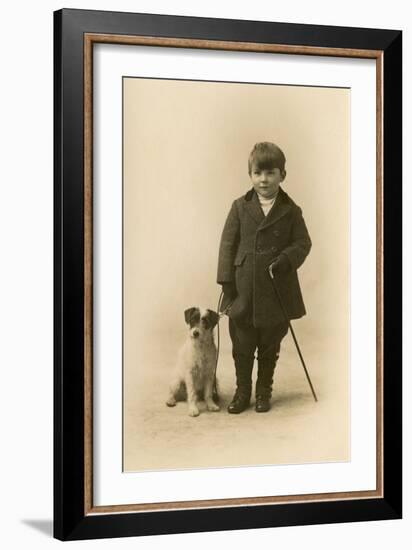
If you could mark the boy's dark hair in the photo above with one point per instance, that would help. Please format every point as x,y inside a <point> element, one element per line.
<point>266,156</point>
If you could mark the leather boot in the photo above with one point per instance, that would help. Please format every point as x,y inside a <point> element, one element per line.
<point>241,399</point>
<point>239,403</point>
<point>264,385</point>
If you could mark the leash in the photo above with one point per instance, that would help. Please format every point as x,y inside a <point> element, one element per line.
<point>221,314</point>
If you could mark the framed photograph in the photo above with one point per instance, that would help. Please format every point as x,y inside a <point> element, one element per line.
<point>228,280</point>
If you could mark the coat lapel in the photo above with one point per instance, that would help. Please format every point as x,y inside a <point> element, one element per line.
<point>279,209</point>
<point>253,207</point>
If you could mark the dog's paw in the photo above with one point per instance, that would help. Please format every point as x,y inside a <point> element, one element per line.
<point>193,411</point>
<point>171,402</point>
<point>213,407</point>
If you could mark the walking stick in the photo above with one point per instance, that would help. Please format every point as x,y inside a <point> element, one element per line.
<point>292,331</point>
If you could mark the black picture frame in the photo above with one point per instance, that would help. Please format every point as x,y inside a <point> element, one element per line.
<point>72,521</point>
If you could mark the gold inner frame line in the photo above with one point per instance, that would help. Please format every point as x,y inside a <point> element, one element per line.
<point>89,40</point>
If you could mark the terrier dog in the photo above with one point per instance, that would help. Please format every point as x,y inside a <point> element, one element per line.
<point>194,375</point>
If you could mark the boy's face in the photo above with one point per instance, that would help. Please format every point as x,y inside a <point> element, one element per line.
<point>266,181</point>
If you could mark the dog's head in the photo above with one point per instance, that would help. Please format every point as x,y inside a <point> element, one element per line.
<point>200,321</point>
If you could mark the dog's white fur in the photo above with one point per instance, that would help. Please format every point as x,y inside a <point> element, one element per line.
<point>195,369</point>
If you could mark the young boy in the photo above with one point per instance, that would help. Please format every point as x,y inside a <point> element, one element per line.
<point>264,229</point>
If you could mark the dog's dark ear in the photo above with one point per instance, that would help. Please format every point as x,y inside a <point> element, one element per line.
<point>213,318</point>
<point>188,314</point>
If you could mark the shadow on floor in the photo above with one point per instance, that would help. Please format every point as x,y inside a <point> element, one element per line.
<point>292,398</point>
<point>45,526</point>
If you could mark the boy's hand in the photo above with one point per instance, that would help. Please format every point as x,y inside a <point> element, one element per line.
<point>280,265</point>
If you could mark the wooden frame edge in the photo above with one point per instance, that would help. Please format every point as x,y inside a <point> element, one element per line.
<point>206,44</point>
<point>88,276</point>
<point>379,274</point>
<point>89,40</point>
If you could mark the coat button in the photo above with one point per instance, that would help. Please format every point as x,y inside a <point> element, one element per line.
<point>276,232</point>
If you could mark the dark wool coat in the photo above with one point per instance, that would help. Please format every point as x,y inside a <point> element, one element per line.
<point>250,243</point>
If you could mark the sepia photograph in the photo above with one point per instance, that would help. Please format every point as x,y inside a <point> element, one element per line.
<point>236,274</point>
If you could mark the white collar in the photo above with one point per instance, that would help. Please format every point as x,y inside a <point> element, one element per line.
<point>264,200</point>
